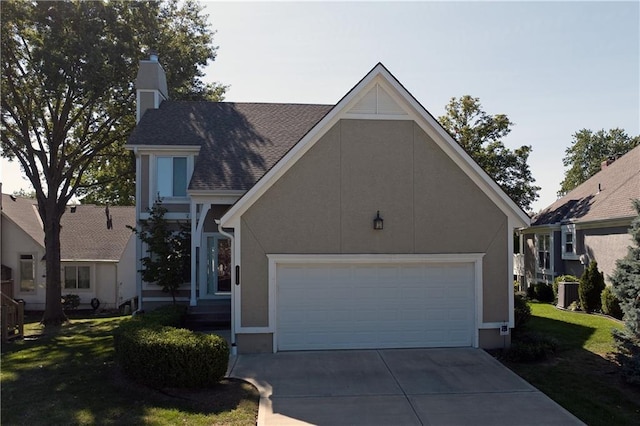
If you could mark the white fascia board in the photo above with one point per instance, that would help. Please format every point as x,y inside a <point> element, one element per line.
<point>604,223</point>
<point>379,74</point>
<point>214,197</point>
<point>150,149</point>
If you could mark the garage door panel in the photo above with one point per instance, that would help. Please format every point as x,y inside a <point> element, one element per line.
<point>359,306</point>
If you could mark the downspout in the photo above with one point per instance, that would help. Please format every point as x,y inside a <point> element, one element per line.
<point>139,308</point>
<point>234,348</point>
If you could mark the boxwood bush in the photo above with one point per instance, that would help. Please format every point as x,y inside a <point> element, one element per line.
<point>158,355</point>
<point>610,304</point>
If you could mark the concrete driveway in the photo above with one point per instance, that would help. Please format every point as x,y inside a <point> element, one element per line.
<point>394,387</point>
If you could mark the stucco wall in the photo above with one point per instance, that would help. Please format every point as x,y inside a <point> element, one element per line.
<point>327,201</point>
<point>606,246</point>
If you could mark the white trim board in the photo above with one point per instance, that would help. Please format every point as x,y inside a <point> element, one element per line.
<point>363,259</point>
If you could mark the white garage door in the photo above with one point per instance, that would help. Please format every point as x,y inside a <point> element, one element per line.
<point>366,306</point>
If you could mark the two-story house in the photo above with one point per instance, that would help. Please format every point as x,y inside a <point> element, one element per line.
<point>356,225</point>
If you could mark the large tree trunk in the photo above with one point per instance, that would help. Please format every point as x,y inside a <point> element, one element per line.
<point>53,312</point>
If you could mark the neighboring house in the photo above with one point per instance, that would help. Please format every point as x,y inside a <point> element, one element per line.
<point>590,223</point>
<point>98,261</point>
<point>297,191</point>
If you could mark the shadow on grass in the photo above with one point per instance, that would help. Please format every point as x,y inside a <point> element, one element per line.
<point>68,376</point>
<point>587,384</point>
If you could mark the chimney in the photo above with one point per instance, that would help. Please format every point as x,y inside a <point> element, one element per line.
<point>151,85</point>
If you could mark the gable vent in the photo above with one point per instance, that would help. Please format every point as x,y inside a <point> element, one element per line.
<point>379,102</point>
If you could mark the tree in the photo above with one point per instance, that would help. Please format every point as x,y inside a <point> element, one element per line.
<point>168,259</point>
<point>626,287</point>
<point>590,288</point>
<point>587,152</point>
<point>67,93</point>
<point>480,135</point>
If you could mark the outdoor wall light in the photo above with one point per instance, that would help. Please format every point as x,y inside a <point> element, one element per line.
<point>378,222</point>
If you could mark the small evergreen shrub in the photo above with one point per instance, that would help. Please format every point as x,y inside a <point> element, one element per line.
<point>541,292</point>
<point>563,279</point>
<point>610,304</point>
<point>522,311</point>
<point>530,347</point>
<point>161,356</point>
<point>590,288</point>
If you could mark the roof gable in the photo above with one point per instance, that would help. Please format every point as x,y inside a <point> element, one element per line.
<point>379,95</point>
<point>24,213</point>
<point>606,195</point>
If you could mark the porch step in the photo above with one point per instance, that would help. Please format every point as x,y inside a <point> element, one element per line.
<point>209,315</point>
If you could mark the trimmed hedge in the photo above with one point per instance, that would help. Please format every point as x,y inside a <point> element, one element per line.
<point>541,292</point>
<point>156,354</point>
<point>170,315</point>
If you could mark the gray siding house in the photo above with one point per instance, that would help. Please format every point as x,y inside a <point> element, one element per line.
<point>356,225</point>
<point>590,223</point>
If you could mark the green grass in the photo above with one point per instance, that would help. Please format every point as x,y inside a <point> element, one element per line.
<point>582,376</point>
<point>67,376</point>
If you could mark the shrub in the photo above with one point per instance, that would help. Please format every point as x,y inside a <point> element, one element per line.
<point>610,304</point>
<point>522,311</point>
<point>162,356</point>
<point>531,347</point>
<point>171,315</point>
<point>561,279</point>
<point>541,292</point>
<point>70,301</point>
<point>591,285</point>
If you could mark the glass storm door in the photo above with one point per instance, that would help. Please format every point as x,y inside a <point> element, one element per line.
<point>218,266</point>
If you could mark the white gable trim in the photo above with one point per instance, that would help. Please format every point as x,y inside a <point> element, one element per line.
<point>359,103</point>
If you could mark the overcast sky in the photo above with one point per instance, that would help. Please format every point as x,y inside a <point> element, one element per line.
<point>553,68</point>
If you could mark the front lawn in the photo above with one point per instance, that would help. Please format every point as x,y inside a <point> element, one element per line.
<point>582,376</point>
<point>68,376</point>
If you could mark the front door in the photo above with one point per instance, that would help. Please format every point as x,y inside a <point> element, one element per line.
<point>218,261</point>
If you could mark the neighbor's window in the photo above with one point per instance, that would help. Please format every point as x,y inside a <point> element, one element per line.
<point>172,176</point>
<point>27,272</point>
<point>544,251</point>
<point>569,242</point>
<point>77,277</point>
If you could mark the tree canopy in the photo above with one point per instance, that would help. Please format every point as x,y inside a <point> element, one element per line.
<point>68,101</point>
<point>587,152</point>
<point>480,135</point>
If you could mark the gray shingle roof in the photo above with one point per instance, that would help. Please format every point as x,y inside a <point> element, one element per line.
<point>84,234</point>
<point>24,213</point>
<point>239,142</point>
<point>619,183</point>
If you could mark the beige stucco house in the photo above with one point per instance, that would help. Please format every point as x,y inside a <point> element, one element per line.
<point>283,201</point>
<point>590,223</point>
<point>98,259</point>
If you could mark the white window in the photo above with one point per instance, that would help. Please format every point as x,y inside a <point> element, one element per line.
<point>544,254</point>
<point>569,242</point>
<point>27,272</point>
<point>171,176</point>
<point>77,277</point>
